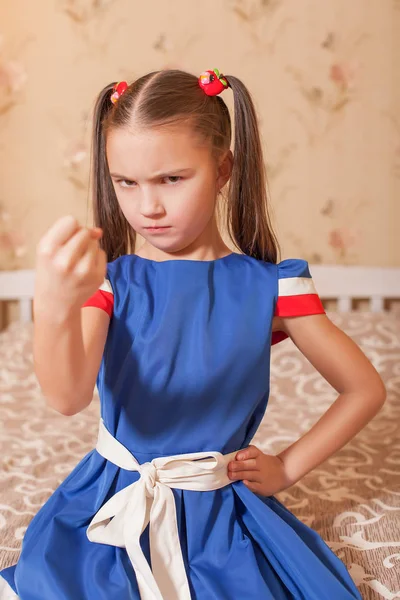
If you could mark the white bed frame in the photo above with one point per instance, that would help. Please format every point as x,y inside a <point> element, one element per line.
<point>18,286</point>
<point>341,283</point>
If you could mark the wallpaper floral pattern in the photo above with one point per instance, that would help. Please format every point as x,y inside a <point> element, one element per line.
<point>13,78</point>
<point>323,76</point>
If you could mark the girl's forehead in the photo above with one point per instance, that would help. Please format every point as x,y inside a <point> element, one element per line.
<point>177,136</point>
<point>155,146</point>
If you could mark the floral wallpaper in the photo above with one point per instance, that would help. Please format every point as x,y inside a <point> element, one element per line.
<point>323,76</point>
<point>12,82</point>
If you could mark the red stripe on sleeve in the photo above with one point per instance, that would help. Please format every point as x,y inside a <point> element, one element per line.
<point>278,336</point>
<point>103,300</point>
<point>298,306</point>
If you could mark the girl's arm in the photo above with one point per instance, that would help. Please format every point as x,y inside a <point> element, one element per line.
<point>67,351</point>
<point>361,391</point>
<point>68,340</point>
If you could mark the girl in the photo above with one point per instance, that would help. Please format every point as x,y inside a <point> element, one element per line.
<point>174,504</point>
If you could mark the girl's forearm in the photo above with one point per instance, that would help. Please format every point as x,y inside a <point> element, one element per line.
<point>338,425</point>
<point>59,360</point>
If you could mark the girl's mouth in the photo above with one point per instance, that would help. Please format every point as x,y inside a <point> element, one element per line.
<point>157,229</point>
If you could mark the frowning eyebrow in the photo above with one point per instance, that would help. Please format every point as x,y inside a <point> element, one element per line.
<point>160,175</point>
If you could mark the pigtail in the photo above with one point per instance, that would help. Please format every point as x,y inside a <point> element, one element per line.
<point>118,236</point>
<point>248,218</point>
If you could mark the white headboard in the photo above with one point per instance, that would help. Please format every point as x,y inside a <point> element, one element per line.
<point>19,286</point>
<point>344,283</point>
<point>333,282</point>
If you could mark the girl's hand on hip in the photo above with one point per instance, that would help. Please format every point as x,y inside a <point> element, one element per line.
<point>263,474</point>
<point>70,266</point>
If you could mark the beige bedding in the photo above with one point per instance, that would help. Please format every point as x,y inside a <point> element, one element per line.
<point>352,500</point>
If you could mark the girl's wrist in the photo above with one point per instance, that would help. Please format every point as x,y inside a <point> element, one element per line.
<point>54,311</point>
<point>289,478</point>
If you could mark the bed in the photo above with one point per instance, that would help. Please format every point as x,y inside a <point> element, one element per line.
<point>352,500</point>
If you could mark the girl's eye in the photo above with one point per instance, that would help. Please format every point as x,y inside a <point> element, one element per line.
<point>126,183</point>
<point>173,178</point>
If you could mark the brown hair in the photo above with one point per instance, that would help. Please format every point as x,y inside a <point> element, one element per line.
<point>167,97</point>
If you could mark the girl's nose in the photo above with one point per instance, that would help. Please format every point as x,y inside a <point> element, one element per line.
<point>150,204</point>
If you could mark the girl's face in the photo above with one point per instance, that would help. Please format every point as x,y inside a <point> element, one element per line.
<point>167,181</point>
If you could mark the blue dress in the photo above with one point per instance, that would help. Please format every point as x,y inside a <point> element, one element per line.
<point>186,369</point>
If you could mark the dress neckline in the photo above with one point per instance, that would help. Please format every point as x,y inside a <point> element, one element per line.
<point>186,260</point>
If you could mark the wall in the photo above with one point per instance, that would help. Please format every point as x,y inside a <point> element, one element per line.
<point>322,73</point>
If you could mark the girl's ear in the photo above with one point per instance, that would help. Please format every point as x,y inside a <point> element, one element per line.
<point>224,169</point>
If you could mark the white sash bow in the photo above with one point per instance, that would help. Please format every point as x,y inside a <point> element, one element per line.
<point>123,518</point>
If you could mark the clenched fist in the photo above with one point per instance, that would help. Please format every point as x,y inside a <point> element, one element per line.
<point>70,267</point>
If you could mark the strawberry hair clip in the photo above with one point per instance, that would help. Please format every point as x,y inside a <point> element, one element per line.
<point>118,89</point>
<point>213,82</point>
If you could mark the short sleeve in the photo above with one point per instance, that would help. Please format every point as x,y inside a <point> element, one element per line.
<point>297,295</point>
<point>103,298</point>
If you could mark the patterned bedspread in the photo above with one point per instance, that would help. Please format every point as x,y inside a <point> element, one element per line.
<point>352,500</point>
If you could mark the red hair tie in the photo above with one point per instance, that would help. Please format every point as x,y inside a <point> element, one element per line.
<point>213,82</point>
<point>118,89</point>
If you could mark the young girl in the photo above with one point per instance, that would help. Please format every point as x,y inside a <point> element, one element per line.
<point>174,504</point>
